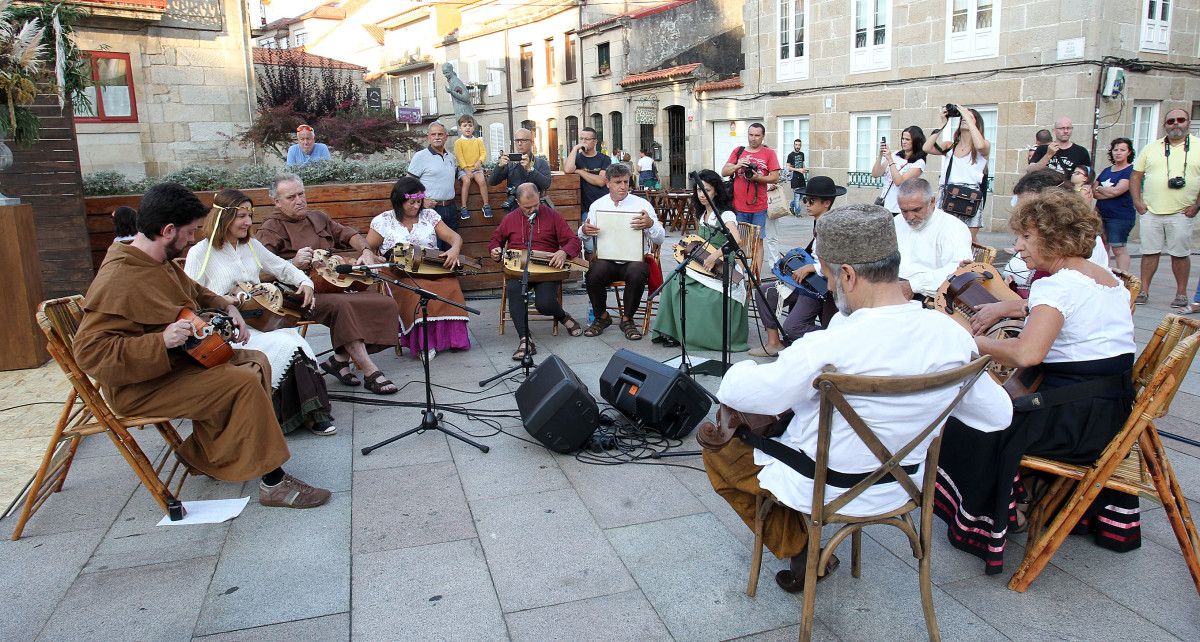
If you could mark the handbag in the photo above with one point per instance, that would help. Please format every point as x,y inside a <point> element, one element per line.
<point>777,205</point>
<point>963,200</point>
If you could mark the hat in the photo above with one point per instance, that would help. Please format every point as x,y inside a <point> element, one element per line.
<point>821,187</point>
<point>856,234</point>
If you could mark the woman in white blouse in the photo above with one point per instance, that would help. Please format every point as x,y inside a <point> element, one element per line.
<point>229,255</point>
<point>1079,331</point>
<point>966,159</point>
<point>409,222</point>
<point>904,165</point>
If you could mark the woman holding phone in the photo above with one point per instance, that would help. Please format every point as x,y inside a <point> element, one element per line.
<point>905,164</point>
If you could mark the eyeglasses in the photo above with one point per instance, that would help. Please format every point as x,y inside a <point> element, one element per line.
<point>1172,121</point>
<point>522,140</point>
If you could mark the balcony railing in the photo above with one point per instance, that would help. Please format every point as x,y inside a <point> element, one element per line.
<point>148,10</point>
<point>864,179</point>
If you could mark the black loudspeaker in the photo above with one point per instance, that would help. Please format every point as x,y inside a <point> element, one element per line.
<point>657,395</point>
<point>557,408</point>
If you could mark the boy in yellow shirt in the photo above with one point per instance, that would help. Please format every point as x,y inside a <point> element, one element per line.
<point>470,152</point>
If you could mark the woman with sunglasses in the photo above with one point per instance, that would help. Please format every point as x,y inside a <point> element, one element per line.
<point>704,293</point>
<point>229,255</point>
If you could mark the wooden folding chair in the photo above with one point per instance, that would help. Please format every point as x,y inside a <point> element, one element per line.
<point>533,314</point>
<point>983,253</point>
<point>1132,283</point>
<point>834,388</point>
<point>645,310</point>
<point>1134,461</point>
<point>87,413</point>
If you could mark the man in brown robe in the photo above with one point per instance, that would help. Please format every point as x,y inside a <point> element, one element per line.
<point>360,323</point>
<point>130,341</point>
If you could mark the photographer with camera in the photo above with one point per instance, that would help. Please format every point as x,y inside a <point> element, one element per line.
<point>964,175</point>
<point>753,168</point>
<point>1165,186</point>
<point>520,166</point>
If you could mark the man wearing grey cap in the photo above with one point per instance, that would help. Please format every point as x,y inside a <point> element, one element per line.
<point>878,331</point>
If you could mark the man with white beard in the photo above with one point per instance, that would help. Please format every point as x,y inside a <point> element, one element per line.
<point>932,243</point>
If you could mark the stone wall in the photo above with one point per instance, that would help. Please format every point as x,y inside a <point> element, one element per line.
<point>190,86</point>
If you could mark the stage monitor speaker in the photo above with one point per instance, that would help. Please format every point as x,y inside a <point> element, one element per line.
<point>659,396</point>
<point>557,408</point>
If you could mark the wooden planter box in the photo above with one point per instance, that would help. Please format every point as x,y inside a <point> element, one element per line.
<point>355,205</point>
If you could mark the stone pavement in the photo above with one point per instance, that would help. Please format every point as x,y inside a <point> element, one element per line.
<point>428,538</point>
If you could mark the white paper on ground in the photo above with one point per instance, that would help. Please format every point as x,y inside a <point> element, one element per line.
<point>695,361</point>
<point>211,511</point>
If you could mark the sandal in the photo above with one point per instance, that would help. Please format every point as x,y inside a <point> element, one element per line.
<point>572,326</point>
<point>378,384</point>
<point>334,367</point>
<point>630,330</point>
<point>1180,302</point>
<point>524,350</point>
<point>794,582</point>
<point>598,326</point>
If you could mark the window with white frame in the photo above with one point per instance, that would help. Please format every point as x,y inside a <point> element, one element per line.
<point>1156,25</point>
<point>496,140</point>
<point>417,89</point>
<point>865,130</point>
<point>990,129</point>
<point>871,44</point>
<point>494,78</point>
<point>299,37</point>
<point>972,29</point>
<point>790,128</point>
<point>404,91</point>
<point>1145,123</point>
<point>433,106</point>
<point>793,40</point>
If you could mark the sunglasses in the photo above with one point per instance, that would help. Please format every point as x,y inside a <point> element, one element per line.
<point>304,128</point>
<point>807,200</point>
<point>1172,121</point>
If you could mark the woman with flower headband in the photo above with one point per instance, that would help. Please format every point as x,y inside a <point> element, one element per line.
<point>306,148</point>
<point>229,255</point>
<point>410,222</point>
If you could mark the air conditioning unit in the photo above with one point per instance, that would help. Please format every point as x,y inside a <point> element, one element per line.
<point>1114,82</point>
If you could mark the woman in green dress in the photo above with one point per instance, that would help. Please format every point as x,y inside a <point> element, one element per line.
<point>711,200</point>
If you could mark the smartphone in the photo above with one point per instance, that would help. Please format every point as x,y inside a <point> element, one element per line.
<point>883,140</point>
<point>515,158</point>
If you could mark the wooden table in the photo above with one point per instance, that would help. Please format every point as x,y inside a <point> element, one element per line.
<point>679,213</point>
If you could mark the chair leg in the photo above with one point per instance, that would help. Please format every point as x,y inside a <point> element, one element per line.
<point>856,553</point>
<point>1174,503</point>
<point>503,307</point>
<point>1038,552</point>
<point>926,580</point>
<point>756,553</point>
<point>39,478</point>
<point>812,558</point>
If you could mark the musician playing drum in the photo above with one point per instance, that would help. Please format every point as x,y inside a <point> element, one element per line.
<point>704,292</point>
<point>360,323</point>
<point>550,234</point>
<point>602,272</point>
<point>130,341</point>
<point>1079,329</point>
<point>227,256</point>
<point>409,222</point>
<point>877,332</point>
<point>803,311</point>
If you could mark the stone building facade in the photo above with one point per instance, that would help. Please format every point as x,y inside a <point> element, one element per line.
<point>178,81</point>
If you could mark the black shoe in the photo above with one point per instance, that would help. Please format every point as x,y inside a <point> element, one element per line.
<point>670,342</point>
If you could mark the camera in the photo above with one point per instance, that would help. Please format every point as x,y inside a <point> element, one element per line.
<point>510,200</point>
<point>1176,183</point>
<point>952,111</point>
<point>749,170</point>
<point>515,157</point>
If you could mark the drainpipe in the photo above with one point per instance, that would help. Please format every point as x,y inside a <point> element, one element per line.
<point>251,94</point>
<point>583,96</point>
<point>508,82</point>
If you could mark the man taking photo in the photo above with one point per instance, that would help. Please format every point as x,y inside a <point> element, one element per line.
<point>753,168</point>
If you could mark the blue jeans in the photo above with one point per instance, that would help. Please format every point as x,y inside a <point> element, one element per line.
<point>796,204</point>
<point>754,218</point>
<point>450,217</point>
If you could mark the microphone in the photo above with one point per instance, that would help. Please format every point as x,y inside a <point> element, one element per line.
<point>533,215</point>
<point>349,269</point>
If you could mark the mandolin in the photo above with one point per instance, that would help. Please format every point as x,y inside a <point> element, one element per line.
<point>714,436</point>
<point>689,244</point>
<point>327,281</point>
<point>269,306</point>
<point>211,332</point>
<point>539,266</point>
<point>414,260</point>
<point>978,284</point>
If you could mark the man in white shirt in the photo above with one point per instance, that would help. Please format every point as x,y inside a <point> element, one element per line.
<point>860,259</point>
<point>602,272</point>
<point>932,243</point>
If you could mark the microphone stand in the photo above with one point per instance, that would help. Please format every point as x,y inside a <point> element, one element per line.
<point>527,359</point>
<point>684,364</point>
<point>430,420</point>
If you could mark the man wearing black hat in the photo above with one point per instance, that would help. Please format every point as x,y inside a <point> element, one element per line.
<point>817,196</point>
<point>861,261</point>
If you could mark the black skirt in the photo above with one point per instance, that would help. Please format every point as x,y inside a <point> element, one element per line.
<point>978,484</point>
<point>301,397</point>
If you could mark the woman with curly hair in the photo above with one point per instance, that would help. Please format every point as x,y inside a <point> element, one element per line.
<point>1079,331</point>
<point>704,298</point>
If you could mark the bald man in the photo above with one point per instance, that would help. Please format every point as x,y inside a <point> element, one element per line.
<point>1060,154</point>
<point>526,170</point>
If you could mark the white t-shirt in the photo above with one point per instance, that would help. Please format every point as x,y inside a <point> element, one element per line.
<point>866,343</point>
<point>891,195</point>
<point>645,164</point>
<point>1021,274</point>
<point>1097,323</point>
<point>963,171</point>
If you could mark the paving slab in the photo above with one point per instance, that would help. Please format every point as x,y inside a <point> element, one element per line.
<point>281,564</point>
<point>329,628</point>
<point>37,571</point>
<point>375,424</point>
<point>949,564</point>
<point>694,573</point>
<point>630,494</point>
<point>1157,528</point>
<point>697,482</point>
<point>788,633</point>
<point>95,491</point>
<point>409,506</point>
<point>545,548</point>
<point>432,592</point>
<point>156,602</point>
<point>325,461</point>
<point>511,467</point>
<point>1056,606</point>
<point>611,618</point>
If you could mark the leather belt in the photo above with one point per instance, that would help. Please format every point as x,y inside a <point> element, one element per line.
<point>443,203</point>
<point>800,462</point>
